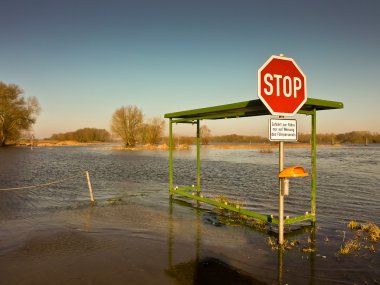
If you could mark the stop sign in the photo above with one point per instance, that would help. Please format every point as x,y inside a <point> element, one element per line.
<point>282,86</point>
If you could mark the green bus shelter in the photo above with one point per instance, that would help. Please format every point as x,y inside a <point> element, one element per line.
<point>238,110</point>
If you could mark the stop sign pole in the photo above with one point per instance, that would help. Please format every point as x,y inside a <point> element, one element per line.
<point>282,89</point>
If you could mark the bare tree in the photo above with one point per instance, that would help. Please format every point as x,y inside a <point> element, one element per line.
<point>17,114</point>
<point>152,130</point>
<point>126,123</point>
<point>205,134</point>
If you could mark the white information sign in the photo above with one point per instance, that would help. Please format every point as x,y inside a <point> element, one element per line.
<point>283,130</point>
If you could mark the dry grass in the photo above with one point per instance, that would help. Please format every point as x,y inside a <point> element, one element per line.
<point>260,225</point>
<point>222,199</point>
<point>349,247</point>
<point>227,201</point>
<point>353,225</point>
<point>115,201</point>
<point>371,230</point>
<point>364,233</point>
<point>236,218</point>
<point>287,245</point>
<point>272,242</point>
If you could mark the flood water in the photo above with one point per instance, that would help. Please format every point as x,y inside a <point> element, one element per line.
<point>135,234</point>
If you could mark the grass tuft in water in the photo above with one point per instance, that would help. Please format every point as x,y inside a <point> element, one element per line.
<point>227,201</point>
<point>349,247</point>
<point>353,225</point>
<point>236,218</point>
<point>364,233</point>
<point>114,201</point>
<point>287,245</point>
<point>372,230</point>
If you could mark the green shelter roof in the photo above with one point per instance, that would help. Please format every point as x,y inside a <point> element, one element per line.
<point>247,109</point>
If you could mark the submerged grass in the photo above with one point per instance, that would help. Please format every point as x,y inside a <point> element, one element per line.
<point>228,201</point>
<point>372,230</point>
<point>363,234</point>
<point>236,218</point>
<point>349,247</point>
<point>287,245</point>
<point>114,201</point>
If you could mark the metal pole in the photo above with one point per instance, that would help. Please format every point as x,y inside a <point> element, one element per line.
<point>170,234</point>
<point>314,164</point>
<point>280,265</point>
<point>89,187</point>
<point>198,158</point>
<point>281,196</point>
<point>170,157</point>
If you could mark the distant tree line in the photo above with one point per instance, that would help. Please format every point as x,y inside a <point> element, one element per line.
<point>355,137</point>
<point>18,114</point>
<point>234,138</point>
<point>206,138</point>
<point>84,135</point>
<point>204,133</point>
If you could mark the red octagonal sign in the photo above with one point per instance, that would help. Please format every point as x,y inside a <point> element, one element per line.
<point>282,86</point>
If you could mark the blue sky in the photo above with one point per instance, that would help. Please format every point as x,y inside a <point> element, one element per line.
<point>83,59</point>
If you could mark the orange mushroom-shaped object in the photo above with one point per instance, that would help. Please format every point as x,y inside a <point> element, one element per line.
<point>293,171</point>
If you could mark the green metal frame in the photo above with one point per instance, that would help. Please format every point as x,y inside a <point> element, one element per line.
<point>245,109</point>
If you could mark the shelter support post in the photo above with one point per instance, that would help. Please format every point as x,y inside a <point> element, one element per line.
<point>314,164</point>
<point>171,156</point>
<point>198,158</point>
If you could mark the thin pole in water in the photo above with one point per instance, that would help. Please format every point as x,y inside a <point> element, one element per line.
<point>89,187</point>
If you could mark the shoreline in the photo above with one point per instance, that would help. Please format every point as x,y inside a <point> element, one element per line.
<point>267,146</point>
<point>163,147</point>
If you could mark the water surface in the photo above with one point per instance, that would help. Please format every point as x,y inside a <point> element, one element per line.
<point>136,235</point>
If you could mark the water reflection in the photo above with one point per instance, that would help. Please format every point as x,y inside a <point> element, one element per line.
<point>311,249</point>
<point>88,218</point>
<point>205,270</point>
<point>212,270</point>
<point>209,270</point>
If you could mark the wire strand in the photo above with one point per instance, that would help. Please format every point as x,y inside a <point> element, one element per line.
<point>42,185</point>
